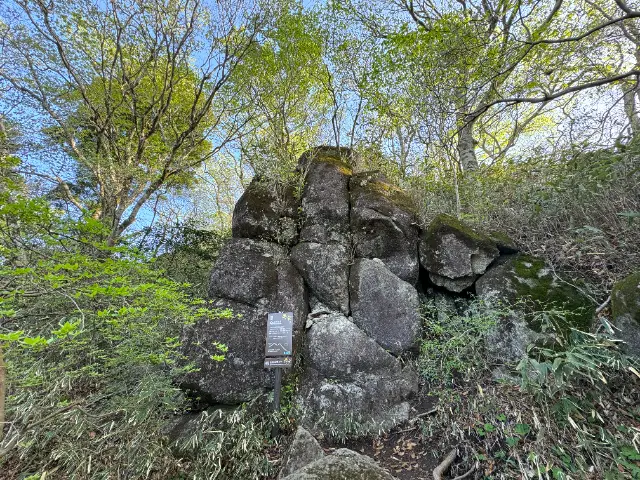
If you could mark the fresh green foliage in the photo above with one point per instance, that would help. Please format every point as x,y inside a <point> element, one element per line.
<point>91,337</point>
<point>284,77</point>
<point>582,356</point>
<point>129,101</point>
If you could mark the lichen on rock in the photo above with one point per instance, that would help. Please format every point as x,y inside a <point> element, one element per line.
<point>351,385</point>
<point>343,464</point>
<point>266,212</point>
<point>384,306</point>
<point>304,449</point>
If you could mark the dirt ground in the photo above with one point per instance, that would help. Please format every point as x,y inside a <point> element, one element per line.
<point>402,451</point>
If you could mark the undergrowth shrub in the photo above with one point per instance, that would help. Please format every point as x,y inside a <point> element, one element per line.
<point>223,444</point>
<point>579,210</point>
<point>571,408</point>
<point>453,339</point>
<point>90,335</point>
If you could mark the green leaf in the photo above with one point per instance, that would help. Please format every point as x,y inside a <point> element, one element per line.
<point>12,336</point>
<point>66,329</point>
<point>522,429</point>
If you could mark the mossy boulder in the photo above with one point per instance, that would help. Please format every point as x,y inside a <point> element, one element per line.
<point>340,157</point>
<point>625,308</point>
<point>526,285</point>
<point>531,282</point>
<point>343,464</point>
<point>266,211</point>
<point>455,254</point>
<point>384,224</point>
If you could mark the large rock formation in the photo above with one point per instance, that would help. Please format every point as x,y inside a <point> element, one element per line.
<point>348,372</point>
<point>323,254</point>
<point>625,307</point>
<point>355,261</point>
<point>350,381</point>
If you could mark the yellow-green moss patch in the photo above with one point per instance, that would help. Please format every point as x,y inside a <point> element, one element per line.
<point>625,297</point>
<point>534,281</point>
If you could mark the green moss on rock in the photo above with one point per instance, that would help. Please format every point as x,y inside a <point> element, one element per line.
<point>504,243</point>
<point>338,157</point>
<point>449,249</point>
<point>338,162</point>
<point>527,279</point>
<point>444,224</point>
<point>376,183</point>
<point>625,298</point>
<point>396,195</point>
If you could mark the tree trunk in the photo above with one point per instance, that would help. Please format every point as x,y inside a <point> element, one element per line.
<point>630,93</point>
<point>3,392</point>
<point>467,146</point>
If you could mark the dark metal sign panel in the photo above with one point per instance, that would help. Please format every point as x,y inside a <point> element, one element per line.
<point>279,335</point>
<point>278,362</point>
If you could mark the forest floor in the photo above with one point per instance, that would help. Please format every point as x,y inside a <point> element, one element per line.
<point>403,451</point>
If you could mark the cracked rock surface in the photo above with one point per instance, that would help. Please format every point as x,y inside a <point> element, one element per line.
<point>350,251</point>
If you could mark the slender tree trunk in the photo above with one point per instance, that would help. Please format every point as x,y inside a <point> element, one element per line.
<point>454,167</point>
<point>467,145</point>
<point>630,94</point>
<point>3,392</point>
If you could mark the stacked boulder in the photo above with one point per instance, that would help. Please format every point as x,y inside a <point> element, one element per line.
<point>252,276</point>
<point>348,251</point>
<point>358,248</point>
<point>349,259</point>
<point>454,254</point>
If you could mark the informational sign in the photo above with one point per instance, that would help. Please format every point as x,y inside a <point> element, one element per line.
<point>279,335</point>
<point>278,353</point>
<point>278,362</point>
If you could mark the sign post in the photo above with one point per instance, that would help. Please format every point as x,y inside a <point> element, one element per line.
<point>279,352</point>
